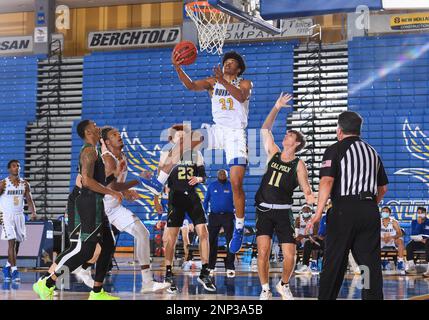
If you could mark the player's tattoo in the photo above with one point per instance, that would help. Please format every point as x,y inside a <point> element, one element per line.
<point>88,159</point>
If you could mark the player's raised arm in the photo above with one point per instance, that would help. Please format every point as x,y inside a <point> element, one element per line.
<point>198,85</point>
<point>303,182</point>
<point>241,93</point>
<point>266,131</point>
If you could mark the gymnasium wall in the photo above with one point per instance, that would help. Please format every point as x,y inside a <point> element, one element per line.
<point>389,87</point>
<point>166,14</point>
<point>85,20</point>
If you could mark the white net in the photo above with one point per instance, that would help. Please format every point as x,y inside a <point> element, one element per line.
<point>211,24</point>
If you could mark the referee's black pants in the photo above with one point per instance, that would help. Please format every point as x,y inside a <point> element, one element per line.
<point>352,225</point>
<point>216,222</point>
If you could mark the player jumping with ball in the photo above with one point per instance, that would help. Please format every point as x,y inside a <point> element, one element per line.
<point>230,95</point>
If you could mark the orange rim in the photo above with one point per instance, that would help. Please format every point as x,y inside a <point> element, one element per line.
<point>201,6</point>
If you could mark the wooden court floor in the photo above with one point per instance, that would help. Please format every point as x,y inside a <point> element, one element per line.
<point>126,283</point>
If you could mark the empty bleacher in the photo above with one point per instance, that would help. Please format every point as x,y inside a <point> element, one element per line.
<point>320,95</point>
<point>49,136</point>
<point>18,80</point>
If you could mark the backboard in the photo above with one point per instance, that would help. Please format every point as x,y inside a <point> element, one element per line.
<point>247,11</point>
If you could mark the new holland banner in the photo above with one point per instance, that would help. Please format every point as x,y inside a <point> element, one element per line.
<point>413,21</point>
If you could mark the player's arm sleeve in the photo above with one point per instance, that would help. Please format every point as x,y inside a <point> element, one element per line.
<point>382,179</point>
<point>329,167</point>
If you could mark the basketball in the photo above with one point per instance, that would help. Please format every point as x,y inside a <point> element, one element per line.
<point>187,51</point>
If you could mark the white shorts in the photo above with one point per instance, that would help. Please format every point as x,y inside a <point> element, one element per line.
<point>232,141</point>
<point>13,227</point>
<point>120,217</point>
<point>391,244</point>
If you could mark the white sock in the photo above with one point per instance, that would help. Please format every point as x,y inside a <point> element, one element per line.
<point>163,177</point>
<point>266,287</point>
<point>14,268</point>
<point>146,275</point>
<point>239,223</point>
<point>400,259</point>
<point>8,264</point>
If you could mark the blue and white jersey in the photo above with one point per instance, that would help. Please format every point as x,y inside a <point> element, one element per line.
<point>228,111</point>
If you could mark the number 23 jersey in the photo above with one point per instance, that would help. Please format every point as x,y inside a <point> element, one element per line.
<point>191,165</point>
<point>278,182</point>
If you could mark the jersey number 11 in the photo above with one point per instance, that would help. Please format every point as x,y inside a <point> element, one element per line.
<point>277,180</point>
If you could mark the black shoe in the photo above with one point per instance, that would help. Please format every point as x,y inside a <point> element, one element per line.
<point>207,282</point>
<point>169,278</point>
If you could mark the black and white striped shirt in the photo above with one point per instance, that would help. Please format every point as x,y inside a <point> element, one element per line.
<point>356,167</point>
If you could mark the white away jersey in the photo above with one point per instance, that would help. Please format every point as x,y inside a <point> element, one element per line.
<point>12,199</point>
<point>228,111</point>
<point>389,229</point>
<point>303,225</point>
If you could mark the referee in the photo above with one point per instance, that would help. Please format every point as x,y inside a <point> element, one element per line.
<point>353,175</point>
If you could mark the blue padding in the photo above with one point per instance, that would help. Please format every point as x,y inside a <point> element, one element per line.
<point>397,94</point>
<point>278,9</point>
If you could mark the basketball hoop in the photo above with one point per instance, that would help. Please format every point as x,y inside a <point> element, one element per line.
<point>211,24</point>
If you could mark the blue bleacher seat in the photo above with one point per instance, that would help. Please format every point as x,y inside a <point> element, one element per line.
<point>397,95</point>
